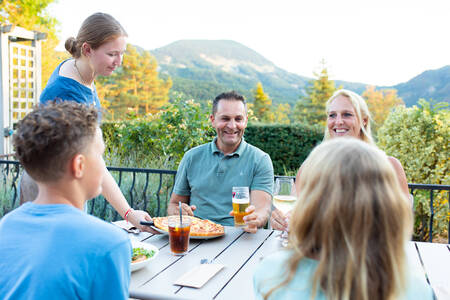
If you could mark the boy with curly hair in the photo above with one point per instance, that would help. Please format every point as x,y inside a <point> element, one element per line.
<point>50,248</point>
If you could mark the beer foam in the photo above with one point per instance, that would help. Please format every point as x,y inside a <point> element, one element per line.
<point>241,201</point>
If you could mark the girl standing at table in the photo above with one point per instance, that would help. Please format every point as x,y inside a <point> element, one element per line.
<point>97,50</point>
<point>348,232</point>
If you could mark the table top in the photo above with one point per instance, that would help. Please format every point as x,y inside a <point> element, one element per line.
<point>240,252</point>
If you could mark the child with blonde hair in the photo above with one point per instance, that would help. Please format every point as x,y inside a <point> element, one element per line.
<point>347,233</point>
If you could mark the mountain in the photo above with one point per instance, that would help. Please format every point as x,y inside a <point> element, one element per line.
<point>434,84</point>
<point>202,69</point>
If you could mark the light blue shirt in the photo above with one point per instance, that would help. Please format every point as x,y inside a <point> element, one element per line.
<point>207,176</point>
<point>272,269</point>
<point>59,252</point>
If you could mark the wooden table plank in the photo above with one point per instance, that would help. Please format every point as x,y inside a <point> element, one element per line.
<point>241,252</point>
<point>160,263</point>
<point>209,249</point>
<point>436,260</point>
<point>413,261</point>
<point>234,258</point>
<point>242,281</point>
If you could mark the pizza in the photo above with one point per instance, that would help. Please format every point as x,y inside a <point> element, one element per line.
<point>199,227</point>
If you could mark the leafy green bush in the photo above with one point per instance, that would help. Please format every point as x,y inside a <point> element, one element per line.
<point>162,141</point>
<point>419,138</point>
<point>159,140</point>
<point>287,145</point>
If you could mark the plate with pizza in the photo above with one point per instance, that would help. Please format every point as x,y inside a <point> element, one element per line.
<point>200,228</point>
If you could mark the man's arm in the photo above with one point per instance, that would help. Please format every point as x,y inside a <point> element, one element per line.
<point>174,209</point>
<point>260,195</point>
<point>259,213</point>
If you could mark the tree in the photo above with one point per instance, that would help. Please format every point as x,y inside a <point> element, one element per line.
<point>310,109</point>
<point>31,15</point>
<point>281,113</point>
<point>134,87</point>
<point>380,104</point>
<point>262,105</point>
<point>419,137</point>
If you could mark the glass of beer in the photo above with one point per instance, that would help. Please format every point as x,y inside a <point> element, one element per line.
<point>179,234</point>
<point>241,200</point>
<point>284,199</point>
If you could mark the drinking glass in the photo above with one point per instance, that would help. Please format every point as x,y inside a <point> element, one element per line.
<point>284,199</point>
<point>179,229</point>
<point>241,200</point>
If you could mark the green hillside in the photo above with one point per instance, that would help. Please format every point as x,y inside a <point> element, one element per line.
<point>434,84</point>
<point>201,69</point>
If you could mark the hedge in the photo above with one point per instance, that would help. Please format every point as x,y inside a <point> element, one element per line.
<point>287,145</point>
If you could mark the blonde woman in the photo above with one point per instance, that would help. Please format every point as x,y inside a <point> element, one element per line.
<point>347,116</point>
<point>348,231</point>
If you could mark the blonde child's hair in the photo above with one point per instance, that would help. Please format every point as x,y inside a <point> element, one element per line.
<point>352,217</point>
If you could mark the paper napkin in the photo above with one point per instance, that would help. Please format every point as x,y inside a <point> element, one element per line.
<point>198,276</point>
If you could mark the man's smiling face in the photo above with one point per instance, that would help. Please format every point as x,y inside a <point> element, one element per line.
<point>230,121</point>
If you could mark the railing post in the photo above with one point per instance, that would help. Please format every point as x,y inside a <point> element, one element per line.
<point>431,216</point>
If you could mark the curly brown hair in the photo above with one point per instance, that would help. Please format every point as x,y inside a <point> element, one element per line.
<point>49,136</point>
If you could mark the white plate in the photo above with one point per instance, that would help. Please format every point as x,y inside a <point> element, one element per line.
<point>191,237</point>
<point>146,246</point>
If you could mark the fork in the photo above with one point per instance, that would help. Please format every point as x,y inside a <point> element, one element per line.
<point>205,261</point>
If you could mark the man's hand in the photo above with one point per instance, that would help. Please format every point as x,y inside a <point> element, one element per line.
<point>252,220</point>
<point>278,220</point>
<point>185,210</point>
<point>136,216</point>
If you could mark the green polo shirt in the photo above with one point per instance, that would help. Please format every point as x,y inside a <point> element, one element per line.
<point>207,176</point>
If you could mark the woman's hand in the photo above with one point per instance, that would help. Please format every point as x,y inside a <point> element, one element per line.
<point>278,220</point>
<point>136,216</point>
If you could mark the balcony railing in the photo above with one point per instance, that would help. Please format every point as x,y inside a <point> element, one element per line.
<point>150,190</point>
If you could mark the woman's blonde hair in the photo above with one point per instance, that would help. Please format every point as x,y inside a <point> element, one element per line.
<point>352,217</point>
<point>362,113</point>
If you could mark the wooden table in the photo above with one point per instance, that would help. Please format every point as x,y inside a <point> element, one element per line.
<point>240,252</point>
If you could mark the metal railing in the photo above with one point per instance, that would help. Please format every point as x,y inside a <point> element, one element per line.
<point>150,190</point>
<point>145,189</point>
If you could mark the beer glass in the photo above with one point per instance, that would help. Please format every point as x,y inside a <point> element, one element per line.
<point>241,200</point>
<point>284,199</point>
<point>179,230</point>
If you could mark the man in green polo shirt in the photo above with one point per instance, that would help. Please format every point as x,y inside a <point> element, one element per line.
<point>208,172</point>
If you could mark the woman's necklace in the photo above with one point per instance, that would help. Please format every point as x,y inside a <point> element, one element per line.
<point>84,82</point>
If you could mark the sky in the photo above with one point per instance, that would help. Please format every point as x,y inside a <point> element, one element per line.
<point>382,42</point>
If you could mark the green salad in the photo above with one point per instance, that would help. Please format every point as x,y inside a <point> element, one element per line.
<point>141,254</point>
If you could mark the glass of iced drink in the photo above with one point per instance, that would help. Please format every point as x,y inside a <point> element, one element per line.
<point>179,228</point>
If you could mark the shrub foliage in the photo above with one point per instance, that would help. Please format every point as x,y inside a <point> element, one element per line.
<point>287,145</point>
<point>160,141</point>
<point>419,138</point>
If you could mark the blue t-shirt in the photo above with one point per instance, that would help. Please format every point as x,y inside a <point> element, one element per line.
<point>272,269</point>
<point>208,176</point>
<point>64,88</point>
<point>57,251</point>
